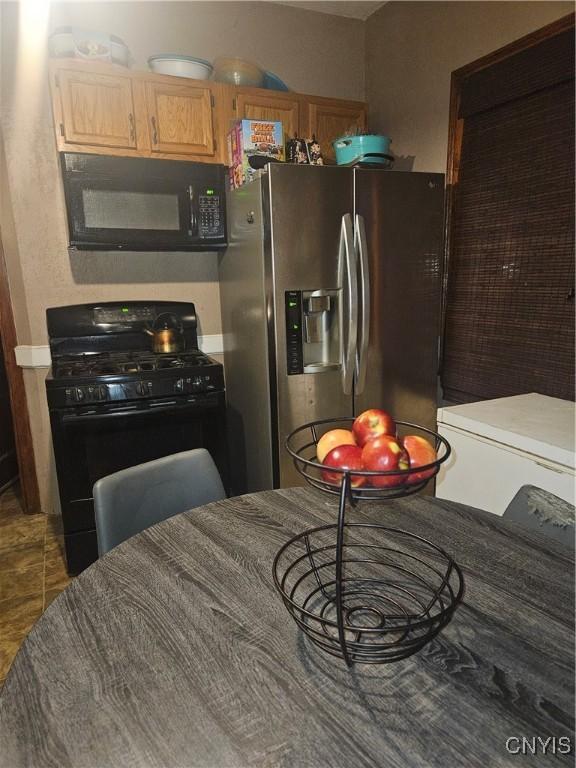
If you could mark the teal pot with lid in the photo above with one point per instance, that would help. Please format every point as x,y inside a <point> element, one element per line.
<point>365,148</point>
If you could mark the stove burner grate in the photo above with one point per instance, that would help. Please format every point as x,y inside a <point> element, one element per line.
<point>170,362</point>
<point>104,369</point>
<point>110,363</point>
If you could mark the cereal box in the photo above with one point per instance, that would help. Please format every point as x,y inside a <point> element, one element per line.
<point>252,137</point>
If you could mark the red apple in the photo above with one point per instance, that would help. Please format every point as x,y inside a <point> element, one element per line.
<point>372,424</point>
<point>385,454</point>
<point>333,439</point>
<point>344,457</point>
<point>421,453</point>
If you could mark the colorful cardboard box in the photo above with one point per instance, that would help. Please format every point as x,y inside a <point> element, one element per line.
<point>252,137</point>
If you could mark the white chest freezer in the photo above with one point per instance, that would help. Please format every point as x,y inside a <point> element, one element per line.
<point>500,445</point>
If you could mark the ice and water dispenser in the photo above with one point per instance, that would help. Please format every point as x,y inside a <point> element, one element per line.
<point>312,331</point>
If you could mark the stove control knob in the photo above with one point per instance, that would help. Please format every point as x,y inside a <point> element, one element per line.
<point>142,388</point>
<point>179,385</point>
<point>101,392</point>
<point>78,394</point>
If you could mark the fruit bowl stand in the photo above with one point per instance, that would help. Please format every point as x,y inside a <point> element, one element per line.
<point>365,592</point>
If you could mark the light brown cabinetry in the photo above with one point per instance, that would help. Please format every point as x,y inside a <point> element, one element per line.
<point>96,109</point>
<point>107,109</point>
<point>328,119</point>
<point>180,118</point>
<point>258,104</point>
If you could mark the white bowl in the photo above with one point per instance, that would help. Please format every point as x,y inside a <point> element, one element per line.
<point>181,66</point>
<point>63,42</point>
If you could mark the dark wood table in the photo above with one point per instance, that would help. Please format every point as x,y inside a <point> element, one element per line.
<point>176,650</point>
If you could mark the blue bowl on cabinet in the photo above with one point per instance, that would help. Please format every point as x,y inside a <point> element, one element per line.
<point>273,82</point>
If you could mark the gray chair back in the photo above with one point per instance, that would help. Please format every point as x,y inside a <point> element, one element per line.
<point>133,499</point>
<point>544,512</point>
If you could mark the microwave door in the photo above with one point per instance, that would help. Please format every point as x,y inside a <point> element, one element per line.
<point>104,213</point>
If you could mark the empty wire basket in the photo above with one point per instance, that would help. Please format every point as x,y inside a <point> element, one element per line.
<point>367,593</point>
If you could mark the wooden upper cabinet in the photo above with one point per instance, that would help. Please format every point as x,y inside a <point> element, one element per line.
<point>96,109</point>
<point>109,110</point>
<point>106,109</point>
<point>269,105</point>
<point>328,119</point>
<point>180,119</point>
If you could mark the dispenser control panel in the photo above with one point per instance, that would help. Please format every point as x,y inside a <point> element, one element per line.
<point>295,357</point>
<point>312,331</point>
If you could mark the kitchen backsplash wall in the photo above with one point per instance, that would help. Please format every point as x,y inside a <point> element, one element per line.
<point>41,272</point>
<point>411,50</point>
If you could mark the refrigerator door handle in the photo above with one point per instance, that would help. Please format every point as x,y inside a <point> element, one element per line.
<point>347,281</point>
<point>361,246</point>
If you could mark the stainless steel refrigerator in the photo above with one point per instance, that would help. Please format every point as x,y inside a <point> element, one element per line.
<point>330,296</point>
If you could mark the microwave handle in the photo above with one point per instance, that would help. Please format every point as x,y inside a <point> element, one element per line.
<point>193,221</point>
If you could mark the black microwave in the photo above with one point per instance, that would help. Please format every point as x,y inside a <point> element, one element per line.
<point>141,204</point>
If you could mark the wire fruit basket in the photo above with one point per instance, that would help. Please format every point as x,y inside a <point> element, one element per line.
<point>301,445</point>
<point>366,593</point>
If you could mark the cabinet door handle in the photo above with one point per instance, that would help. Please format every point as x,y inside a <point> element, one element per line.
<point>154,131</point>
<point>132,128</point>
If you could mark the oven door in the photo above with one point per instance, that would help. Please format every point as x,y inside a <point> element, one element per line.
<point>91,445</point>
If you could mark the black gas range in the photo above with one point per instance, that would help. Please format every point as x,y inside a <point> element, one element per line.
<point>100,378</point>
<point>114,403</point>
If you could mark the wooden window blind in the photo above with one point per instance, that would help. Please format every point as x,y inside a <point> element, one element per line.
<point>509,305</point>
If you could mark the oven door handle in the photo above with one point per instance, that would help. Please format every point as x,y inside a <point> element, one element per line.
<point>72,418</point>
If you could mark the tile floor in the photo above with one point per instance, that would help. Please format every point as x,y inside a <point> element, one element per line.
<point>32,572</point>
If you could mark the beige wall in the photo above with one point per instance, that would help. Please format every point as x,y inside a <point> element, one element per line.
<point>411,49</point>
<point>312,52</point>
<point>302,47</point>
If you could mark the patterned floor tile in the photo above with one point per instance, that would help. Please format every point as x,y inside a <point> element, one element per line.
<point>55,575</point>
<point>22,583</point>
<point>21,558</point>
<point>22,530</point>
<point>18,615</point>
<point>32,572</point>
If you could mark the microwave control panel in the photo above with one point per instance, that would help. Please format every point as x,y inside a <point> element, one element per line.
<point>210,214</point>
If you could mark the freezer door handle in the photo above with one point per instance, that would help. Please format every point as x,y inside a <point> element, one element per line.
<point>361,248</point>
<point>347,281</point>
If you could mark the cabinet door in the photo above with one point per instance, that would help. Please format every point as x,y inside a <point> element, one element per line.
<point>97,109</point>
<point>329,120</point>
<point>269,106</point>
<point>180,119</point>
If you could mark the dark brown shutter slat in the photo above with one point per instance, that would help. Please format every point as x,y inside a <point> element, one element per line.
<point>510,301</point>
<point>542,66</point>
